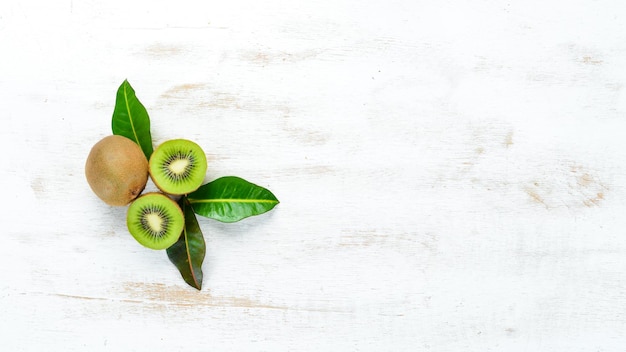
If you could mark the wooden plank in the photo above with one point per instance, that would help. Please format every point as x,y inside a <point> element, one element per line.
<point>451,175</point>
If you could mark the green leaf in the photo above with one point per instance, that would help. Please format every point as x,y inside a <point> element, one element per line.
<point>230,199</point>
<point>187,254</point>
<point>130,118</point>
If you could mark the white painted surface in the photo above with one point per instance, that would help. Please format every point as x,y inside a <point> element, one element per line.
<point>451,175</point>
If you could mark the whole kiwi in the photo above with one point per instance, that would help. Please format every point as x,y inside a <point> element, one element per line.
<point>116,170</point>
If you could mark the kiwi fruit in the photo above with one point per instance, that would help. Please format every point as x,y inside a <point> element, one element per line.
<point>155,220</point>
<point>116,170</point>
<point>178,166</point>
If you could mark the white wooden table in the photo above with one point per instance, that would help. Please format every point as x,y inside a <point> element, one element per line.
<point>451,174</point>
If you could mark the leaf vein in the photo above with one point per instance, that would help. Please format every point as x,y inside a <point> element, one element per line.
<point>231,200</point>
<point>130,117</point>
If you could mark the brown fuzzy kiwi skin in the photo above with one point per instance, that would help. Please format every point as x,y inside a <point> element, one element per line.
<point>116,170</point>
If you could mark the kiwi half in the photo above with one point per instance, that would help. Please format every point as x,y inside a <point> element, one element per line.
<point>155,220</point>
<point>178,166</point>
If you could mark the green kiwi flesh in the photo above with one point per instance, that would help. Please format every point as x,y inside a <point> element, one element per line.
<point>178,166</point>
<point>155,220</point>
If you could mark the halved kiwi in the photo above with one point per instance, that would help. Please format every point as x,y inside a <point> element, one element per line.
<point>155,220</point>
<point>178,166</point>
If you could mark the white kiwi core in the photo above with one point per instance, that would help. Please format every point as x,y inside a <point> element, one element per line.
<point>179,166</point>
<point>155,222</point>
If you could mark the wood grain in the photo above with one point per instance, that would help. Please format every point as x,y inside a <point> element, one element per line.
<point>451,175</point>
